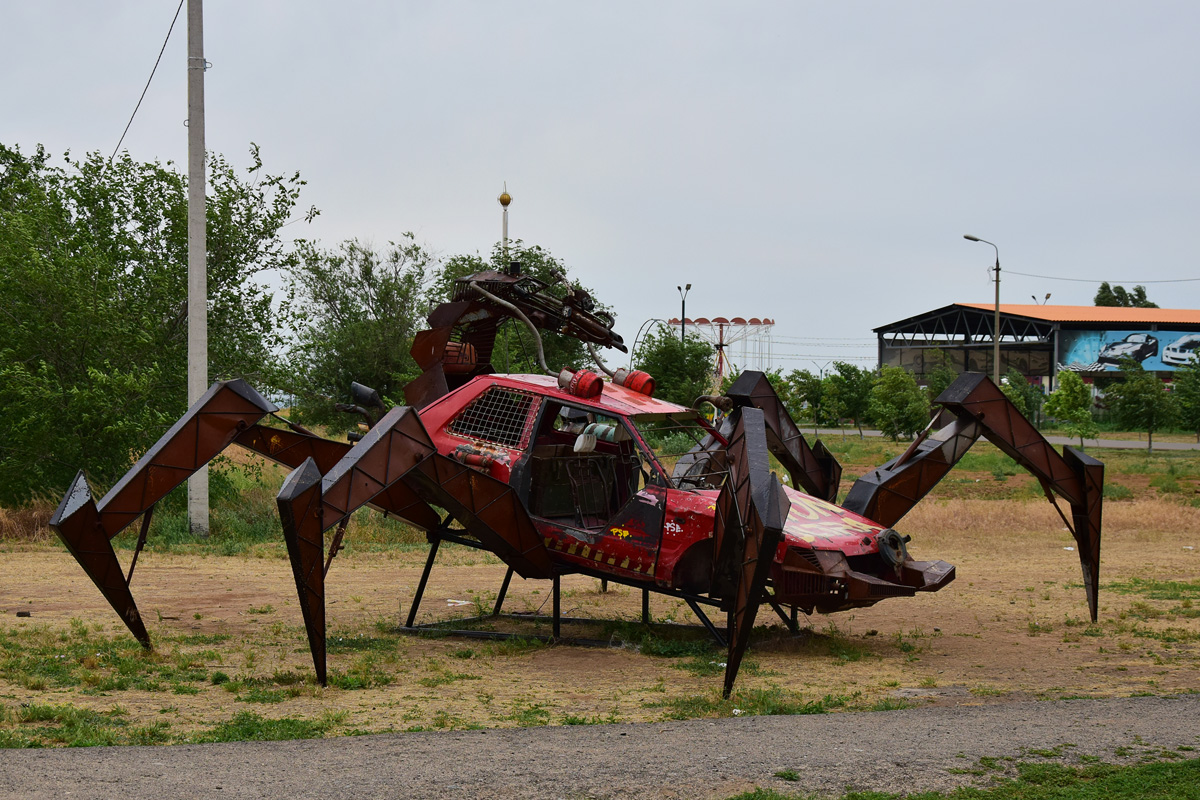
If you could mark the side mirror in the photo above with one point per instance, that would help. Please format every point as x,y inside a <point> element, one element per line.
<point>365,395</point>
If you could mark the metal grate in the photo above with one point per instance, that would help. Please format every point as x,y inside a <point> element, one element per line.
<point>497,415</point>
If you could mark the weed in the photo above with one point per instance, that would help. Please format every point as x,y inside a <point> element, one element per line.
<point>246,726</point>
<point>788,775</point>
<point>528,715</point>
<point>747,702</point>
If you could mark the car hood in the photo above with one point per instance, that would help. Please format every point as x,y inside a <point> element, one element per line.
<point>825,526</point>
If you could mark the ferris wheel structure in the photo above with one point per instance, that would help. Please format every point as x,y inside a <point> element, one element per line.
<point>740,343</point>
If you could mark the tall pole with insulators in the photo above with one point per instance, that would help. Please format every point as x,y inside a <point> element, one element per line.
<point>505,198</point>
<point>197,303</point>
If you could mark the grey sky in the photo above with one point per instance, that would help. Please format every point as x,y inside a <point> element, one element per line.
<point>814,163</point>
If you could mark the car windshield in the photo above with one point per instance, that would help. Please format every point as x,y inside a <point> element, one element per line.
<point>683,446</point>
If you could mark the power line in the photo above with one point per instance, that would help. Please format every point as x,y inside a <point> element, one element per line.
<point>147,86</point>
<point>1094,280</point>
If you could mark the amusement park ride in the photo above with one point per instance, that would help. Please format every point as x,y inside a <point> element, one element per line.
<point>556,475</point>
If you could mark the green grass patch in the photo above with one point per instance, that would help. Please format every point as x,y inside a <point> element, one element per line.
<point>246,726</point>
<point>746,702</point>
<point>40,658</point>
<point>45,725</point>
<point>1157,590</point>
<point>1171,780</point>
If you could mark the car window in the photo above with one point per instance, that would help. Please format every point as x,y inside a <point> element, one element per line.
<point>500,416</point>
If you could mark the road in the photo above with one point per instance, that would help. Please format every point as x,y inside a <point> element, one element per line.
<point>1115,444</point>
<point>914,749</point>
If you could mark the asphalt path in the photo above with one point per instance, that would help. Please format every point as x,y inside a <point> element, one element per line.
<point>909,750</point>
<point>1114,444</point>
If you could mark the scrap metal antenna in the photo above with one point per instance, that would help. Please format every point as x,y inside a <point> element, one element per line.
<point>505,198</point>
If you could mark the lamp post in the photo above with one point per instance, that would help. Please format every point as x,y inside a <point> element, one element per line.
<point>683,293</point>
<point>996,320</point>
<point>1041,302</point>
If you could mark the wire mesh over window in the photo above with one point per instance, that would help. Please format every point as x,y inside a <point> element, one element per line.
<point>497,415</point>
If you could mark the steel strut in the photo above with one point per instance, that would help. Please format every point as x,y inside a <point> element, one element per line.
<point>751,511</point>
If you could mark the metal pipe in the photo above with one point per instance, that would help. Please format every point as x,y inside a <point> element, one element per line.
<point>519,314</point>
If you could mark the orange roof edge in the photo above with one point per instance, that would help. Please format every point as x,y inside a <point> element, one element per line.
<point>1133,316</point>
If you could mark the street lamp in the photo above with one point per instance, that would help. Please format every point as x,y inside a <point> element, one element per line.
<point>996,320</point>
<point>1042,302</point>
<point>683,293</point>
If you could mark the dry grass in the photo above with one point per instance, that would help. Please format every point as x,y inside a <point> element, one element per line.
<point>28,524</point>
<point>1010,518</point>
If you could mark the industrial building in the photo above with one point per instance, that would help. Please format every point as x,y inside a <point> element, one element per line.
<point>1042,340</point>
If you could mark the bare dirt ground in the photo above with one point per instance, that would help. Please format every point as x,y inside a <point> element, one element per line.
<point>1012,627</point>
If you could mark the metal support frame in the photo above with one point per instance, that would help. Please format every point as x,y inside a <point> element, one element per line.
<point>434,541</point>
<point>445,533</point>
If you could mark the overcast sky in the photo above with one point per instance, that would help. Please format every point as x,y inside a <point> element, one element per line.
<point>813,163</point>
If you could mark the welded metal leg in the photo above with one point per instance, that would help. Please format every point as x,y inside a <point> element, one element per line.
<point>789,620</point>
<point>503,591</point>
<point>416,603</point>
<point>141,542</point>
<point>645,606</point>
<point>557,610</point>
<point>713,629</point>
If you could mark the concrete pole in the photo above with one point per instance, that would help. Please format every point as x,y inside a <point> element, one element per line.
<point>197,303</point>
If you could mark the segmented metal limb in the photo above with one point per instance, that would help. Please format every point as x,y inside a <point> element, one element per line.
<point>86,527</point>
<point>299,502</point>
<point>751,511</point>
<point>981,409</point>
<point>397,459</point>
<point>77,523</point>
<point>813,469</point>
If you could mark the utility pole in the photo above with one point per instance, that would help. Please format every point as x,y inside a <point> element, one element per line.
<point>197,303</point>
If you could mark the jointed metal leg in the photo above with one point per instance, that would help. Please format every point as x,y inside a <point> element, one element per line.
<point>434,541</point>
<point>503,591</point>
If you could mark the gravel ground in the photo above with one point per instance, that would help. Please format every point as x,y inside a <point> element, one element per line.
<point>893,751</point>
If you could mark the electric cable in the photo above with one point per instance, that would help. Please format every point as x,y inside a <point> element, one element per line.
<point>148,80</point>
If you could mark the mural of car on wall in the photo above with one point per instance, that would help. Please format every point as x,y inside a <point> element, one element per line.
<point>1138,346</point>
<point>1182,350</point>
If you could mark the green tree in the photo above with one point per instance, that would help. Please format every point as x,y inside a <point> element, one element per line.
<point>1118,296</point>
<point>1014,386</point>
<point>682,370</point>
<point>354,312</point>
<point>806,391</point>
<point>515,351</point>
<point>93,301</point>
<point>898,406</point>
<point>1071,405</point>
<point>1141,401</point>
<point>1187,394</point>
<point>848,392</point>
